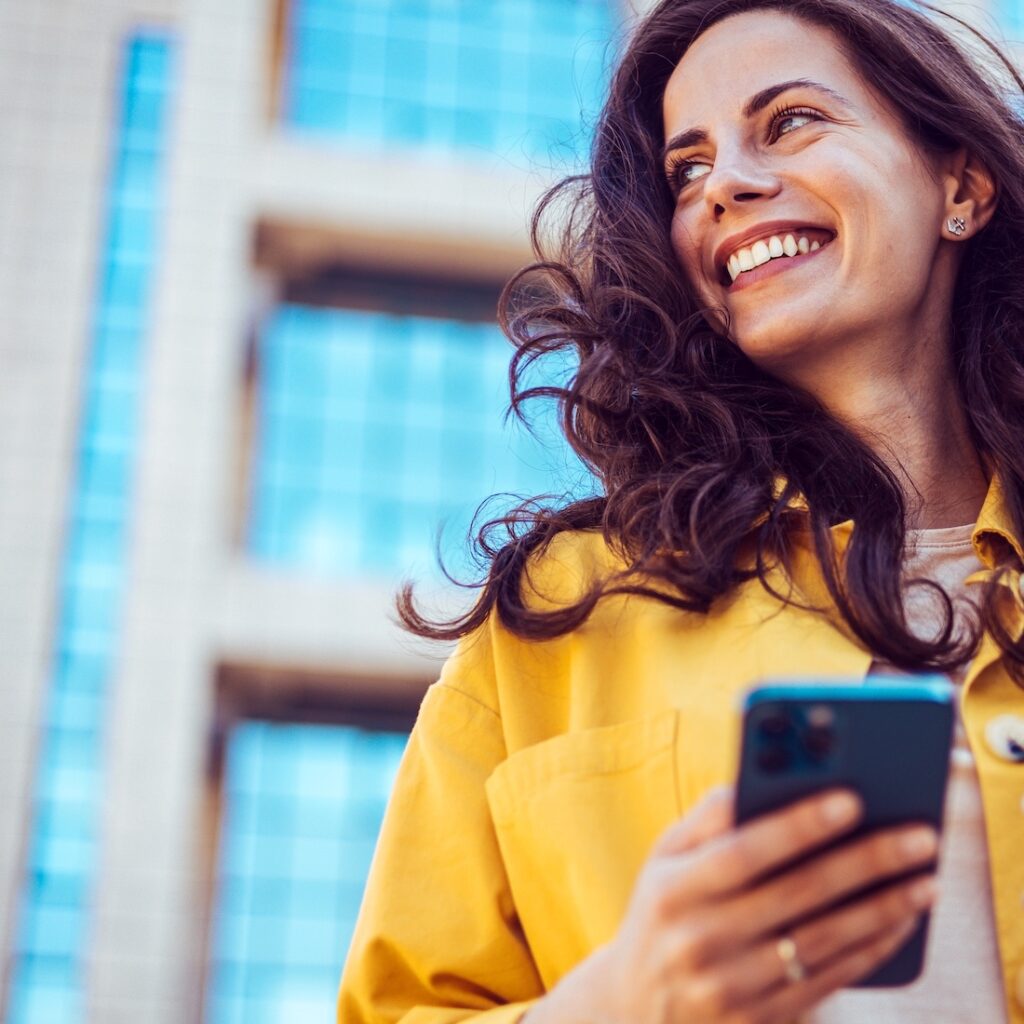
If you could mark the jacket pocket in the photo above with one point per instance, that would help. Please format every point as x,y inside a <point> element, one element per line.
<point>576,817</point>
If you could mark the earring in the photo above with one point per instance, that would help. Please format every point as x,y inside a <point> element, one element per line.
<point>957,225</point>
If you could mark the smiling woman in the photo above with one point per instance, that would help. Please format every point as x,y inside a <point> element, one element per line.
<point>794,283</point>
<point>827,158</point>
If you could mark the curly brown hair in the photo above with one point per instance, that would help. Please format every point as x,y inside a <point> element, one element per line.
<point>686,437</point>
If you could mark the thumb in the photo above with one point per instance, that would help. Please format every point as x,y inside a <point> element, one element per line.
<point>712,816</point>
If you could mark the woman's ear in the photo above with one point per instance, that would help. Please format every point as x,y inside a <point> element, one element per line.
<point>971,194</point>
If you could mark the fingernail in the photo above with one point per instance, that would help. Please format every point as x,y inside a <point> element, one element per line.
<point>840,809</point>
<point>922,842</point>
<point>923,892</point>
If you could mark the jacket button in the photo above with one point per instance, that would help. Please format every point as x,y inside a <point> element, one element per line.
<point>1005,737</point>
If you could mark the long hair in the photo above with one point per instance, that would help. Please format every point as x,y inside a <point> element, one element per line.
<point>685,436</point>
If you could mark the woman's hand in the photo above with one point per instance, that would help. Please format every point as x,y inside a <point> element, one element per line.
<point>700,939</point>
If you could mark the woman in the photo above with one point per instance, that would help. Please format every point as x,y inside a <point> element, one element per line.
<point>793,281</point>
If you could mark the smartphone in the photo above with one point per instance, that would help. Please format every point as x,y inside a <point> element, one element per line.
<point>888,740</point>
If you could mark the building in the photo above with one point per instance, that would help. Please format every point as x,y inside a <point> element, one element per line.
<point>249,252</point>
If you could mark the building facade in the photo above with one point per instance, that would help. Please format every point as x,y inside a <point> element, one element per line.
<point>249,258</point>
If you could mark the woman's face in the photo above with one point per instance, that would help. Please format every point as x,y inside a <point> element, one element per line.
<point>772,137</point>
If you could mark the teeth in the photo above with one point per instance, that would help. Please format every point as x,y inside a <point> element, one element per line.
<point>767,249</point>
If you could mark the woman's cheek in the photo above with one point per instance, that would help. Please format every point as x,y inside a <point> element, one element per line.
<point>688,257</point>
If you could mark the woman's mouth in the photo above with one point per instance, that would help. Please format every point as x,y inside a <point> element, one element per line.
<point>772,255</point>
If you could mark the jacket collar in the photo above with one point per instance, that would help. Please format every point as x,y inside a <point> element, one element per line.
<point>993,537</point>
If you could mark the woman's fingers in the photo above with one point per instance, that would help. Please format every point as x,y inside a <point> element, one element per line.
<point>748,976</point>
<point>734,860</point>
<point>807,890</point>
<point>792,998</point>
<point>719,897</point>
<point>711,817</point>
<point>875,916</point>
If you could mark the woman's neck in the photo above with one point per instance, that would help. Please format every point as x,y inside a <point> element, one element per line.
<point>912,416</point>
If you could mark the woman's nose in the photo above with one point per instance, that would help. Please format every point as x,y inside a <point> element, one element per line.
<point>732,182</point>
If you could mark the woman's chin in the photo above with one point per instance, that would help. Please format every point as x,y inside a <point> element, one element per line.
<point>775,350</point>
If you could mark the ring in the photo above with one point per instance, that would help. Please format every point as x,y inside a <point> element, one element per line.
<point>786,948</point>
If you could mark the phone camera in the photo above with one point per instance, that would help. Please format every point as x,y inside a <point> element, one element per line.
<point>774,724</point>
<point>819,741</point>
<point>773,758</point>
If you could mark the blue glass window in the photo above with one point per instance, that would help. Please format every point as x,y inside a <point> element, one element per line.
<point>510,76</point>
<point>303,806</point>
<point>376,428</point>
<point>51,939</point>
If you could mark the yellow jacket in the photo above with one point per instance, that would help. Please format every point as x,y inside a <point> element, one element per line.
<point>539,775</point>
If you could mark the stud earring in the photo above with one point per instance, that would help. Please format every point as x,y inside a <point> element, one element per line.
<point>957,225</point>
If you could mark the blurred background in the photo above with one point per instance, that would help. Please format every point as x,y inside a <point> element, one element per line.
<point>249,257</point>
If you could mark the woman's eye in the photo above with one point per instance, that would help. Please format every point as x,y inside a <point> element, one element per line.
<point>787,121</point>
<point>783,122</point>
<point>687,171</point>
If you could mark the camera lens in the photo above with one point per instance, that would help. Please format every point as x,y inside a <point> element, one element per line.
<point>774,724</point>
<point>773,758</point>
<point>819,741</point>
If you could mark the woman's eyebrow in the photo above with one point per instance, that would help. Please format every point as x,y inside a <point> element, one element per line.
<point>756,103</point>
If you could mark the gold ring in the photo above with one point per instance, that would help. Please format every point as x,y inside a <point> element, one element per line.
<point>786,948</point>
